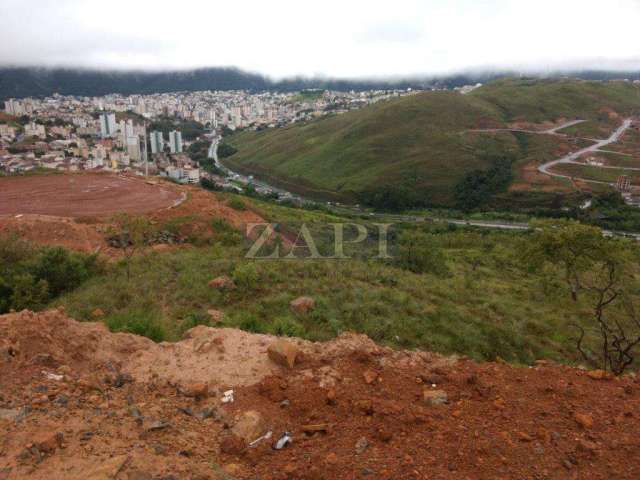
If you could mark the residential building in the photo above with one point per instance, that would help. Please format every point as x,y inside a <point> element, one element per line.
<point>108,126</point>
<point>157,142</point>
<point>175,141</point>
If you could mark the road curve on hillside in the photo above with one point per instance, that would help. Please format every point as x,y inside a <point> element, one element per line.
<point>573,157</point>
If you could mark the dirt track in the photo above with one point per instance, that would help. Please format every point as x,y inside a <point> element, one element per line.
<point>82,195</point>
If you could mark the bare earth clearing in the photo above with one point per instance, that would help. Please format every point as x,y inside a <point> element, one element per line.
<point>82,195</point>
<point>78,402</point>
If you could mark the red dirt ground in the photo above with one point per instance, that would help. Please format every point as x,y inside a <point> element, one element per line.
<point>354,410</point>
<point>82,195</point>
<point>81,206</point>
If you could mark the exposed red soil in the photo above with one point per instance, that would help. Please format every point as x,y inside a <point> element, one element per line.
<point>74,211</point>
<point>365,404</point>
<point>82,195</point>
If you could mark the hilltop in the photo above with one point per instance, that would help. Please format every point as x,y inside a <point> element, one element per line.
<point>425,146</point>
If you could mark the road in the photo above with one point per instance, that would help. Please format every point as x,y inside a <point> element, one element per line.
<point>551,131</point>
<point>573,157</point>
<point>353,210</point>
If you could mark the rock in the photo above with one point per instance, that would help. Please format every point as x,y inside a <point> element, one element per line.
<point>47,443</point>
<point>331,397</point>
<point>365,406</point>
<point>109,469</point>
<point>434,397</point>
<point>361,445</point>
<point>303,305</point>
<point>587,447</point>
<point>222,283</point>
<point>370,376</point>
<point>139,475</point>
<point>331,459</point>
<point>317,428</point>
<point>585,421</point>
<point>97,313</point>
<point>122,379</point>
<point>11,414</point>
<point>155,425</point>
<point>233,469</point>
<point>249,426</point>
<point>196,390</point>
<point>232,445</point>
<point>216,315</point>
<point>598,375</point>
<point>384,435</point>
<point>283,353</point>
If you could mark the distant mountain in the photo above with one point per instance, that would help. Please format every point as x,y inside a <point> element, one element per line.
<point>418,149</point>
<point>18,82</point>
<point>41,82</point>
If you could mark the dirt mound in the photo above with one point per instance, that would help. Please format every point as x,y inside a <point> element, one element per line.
<point>77,401</point>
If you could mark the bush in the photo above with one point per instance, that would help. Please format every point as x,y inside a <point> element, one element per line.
<point>237,204</point>
<point>420,253</point>
<point>246,276</point>
<point>138,322</point>
<point>225,233</point>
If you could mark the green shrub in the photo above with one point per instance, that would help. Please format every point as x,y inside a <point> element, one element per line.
<point>286,327</point>
<point>138,322</point>
<point>420,253</point>
<point>237,204</point>
<point>225,233</point>
<point>246,276</point>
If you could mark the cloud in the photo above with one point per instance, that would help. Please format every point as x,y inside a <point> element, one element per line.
<point>338,38</point>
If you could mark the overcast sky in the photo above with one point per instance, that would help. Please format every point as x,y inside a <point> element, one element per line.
<point>337,38</point>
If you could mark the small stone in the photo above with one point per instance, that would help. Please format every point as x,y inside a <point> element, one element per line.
<point>232,445</point>
<point>156,425</point>
<point>434,397</point>
<point>370,376</point>
<point>249,426</point>
<point>48,442</point>
<point>384,435</point>
<point>216,315</point>
<point>525,437</point>
<point>139,475</point>
<point>331,397</point>
<point>318,428</point>
<point>222,283</point>
<point>331,459</point>
<point>196,390</point>
<point>303,305</point>
<point>361,445</point>
<point>597,375</point>
<point>283,353</point>
<point>585,421</point>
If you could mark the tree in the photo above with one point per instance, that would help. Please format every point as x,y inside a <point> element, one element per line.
<point>599,267</point>
<point>130,233</point>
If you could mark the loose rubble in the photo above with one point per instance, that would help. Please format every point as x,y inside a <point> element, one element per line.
<point>78,402</point>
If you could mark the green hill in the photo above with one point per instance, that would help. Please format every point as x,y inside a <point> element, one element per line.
<point>418,144</point>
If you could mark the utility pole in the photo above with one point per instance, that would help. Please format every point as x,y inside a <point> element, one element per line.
<point>146,153</point>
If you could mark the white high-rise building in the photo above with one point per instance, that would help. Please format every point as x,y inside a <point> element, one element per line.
<point>157,142</point>
<point>175,141</point>
<point>126,131</point>
<point>108,126</point>
<point>133,148</point>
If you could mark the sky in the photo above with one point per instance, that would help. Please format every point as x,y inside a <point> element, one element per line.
<point>332,38</point>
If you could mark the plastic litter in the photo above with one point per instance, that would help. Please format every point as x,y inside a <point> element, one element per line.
<point>285,440</point>
<point>227,397</point>
<point>53,376</point>
<point>266,436</point>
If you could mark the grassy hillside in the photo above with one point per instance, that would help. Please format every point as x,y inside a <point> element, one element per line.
<point>476,295</point>
<point>417,142</point>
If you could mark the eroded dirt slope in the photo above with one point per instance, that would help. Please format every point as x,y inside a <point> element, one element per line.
<point>79,402</point>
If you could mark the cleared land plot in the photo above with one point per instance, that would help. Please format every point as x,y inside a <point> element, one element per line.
<point>82,195</point>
